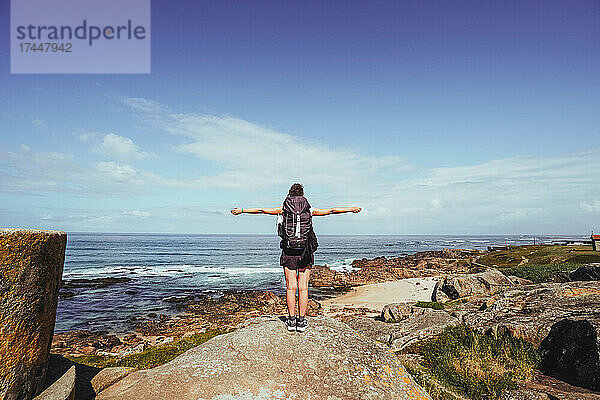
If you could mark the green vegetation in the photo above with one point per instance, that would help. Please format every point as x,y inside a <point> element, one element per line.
<point>477,365</point>
<point>432,385</point>
<point>151,357</point>
<point>436,305</point>
<point>541,262</point>
<point>540,255</point>
<point>540,273</point>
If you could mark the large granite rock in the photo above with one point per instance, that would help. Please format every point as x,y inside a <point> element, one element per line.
<point>31,264</point>
<point>543,387</point>
<point>109,376</point>
<point>62,389</point>
<point>540,315</point>
<point>262,360</point>
<point>462,285</point>
<point>416,324</point>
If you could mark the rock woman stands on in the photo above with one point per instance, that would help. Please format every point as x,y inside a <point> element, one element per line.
<point>298,244</point>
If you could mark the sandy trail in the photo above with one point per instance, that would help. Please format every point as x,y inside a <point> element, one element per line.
<point>375,296</point>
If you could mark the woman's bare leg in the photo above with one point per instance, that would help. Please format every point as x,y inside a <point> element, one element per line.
<point>291,284</point>
<point>303,277</point>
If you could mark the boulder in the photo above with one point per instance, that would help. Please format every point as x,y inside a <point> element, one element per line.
<point>58,370</point>
<point>543,387</point>
<point>372,328</point>
<point>262,360</point>
<point>396,312</point>
<point>570,353</point>
<point>31,265</point>
<point>62,389</point>
<point>532,312</point>
<point>418,324</point>
<point>462,285</point>
<point>422,324</point>
<point>590,272</point>
<point>517,280</point>
<point>109,376</point>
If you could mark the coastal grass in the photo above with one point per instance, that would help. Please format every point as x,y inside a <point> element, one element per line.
<point>151,357</point>
<point>540,273</point>
<point>479,366</point>
<point>539,263</point>
<point>437,390</point>
<point>539,255</point>
<point>436,305</point>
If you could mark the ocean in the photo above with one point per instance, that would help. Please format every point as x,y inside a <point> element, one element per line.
<point>165,265</point>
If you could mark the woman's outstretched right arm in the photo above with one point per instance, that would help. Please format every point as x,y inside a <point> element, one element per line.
<point>271,211</point>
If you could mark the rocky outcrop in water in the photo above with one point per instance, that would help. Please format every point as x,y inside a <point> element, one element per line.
<point>381,269</point>
<point>262,360</point>
<point>83,342</point>
<point>223,311</point>
<point>219,311</point>
<point>31,265</point>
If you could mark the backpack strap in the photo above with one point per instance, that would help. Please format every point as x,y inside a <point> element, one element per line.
<point>297,233</point>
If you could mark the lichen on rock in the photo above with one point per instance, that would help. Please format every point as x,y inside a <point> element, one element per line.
<point>329,360</point>
<point>31,265</point>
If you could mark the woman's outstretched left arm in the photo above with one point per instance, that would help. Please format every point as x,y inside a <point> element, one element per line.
<point>335,210</point>
<point>271,211</point>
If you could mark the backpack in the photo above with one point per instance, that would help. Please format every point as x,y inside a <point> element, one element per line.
<point>295,224</point>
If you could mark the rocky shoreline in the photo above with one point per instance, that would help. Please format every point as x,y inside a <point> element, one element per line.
<point>560,317</point>
<point>223,310</point>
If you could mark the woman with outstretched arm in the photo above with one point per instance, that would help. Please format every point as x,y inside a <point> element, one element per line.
<point>298,244</point>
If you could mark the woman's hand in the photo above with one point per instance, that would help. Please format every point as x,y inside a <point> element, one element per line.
<point>237,210</point>
<point>356,209</point>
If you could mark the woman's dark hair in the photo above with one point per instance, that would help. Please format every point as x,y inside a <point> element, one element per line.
<point>296,190</point>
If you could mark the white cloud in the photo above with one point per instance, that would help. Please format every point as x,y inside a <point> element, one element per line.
<point>40,124</point>
<point>34,173</point>
<point>136,213</point>
<point>515,194</point>
<point>144,105</point>
<point>499,194</point>
<point>249,155</point>
<point>86,137</point>
<point>119,148</point>
<point>592,206</point>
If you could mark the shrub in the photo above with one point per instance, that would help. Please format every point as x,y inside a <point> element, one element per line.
<point>479,365</point>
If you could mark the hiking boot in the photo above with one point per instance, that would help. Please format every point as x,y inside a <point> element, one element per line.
<point>301,324</point>
<point>290,323</point>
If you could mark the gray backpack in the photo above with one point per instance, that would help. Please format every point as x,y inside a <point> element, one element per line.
<point>295,224</point>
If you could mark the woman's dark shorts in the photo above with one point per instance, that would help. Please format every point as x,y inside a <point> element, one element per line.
<point>290,258</point>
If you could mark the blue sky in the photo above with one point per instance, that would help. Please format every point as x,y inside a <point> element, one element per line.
<point>463,117</point>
